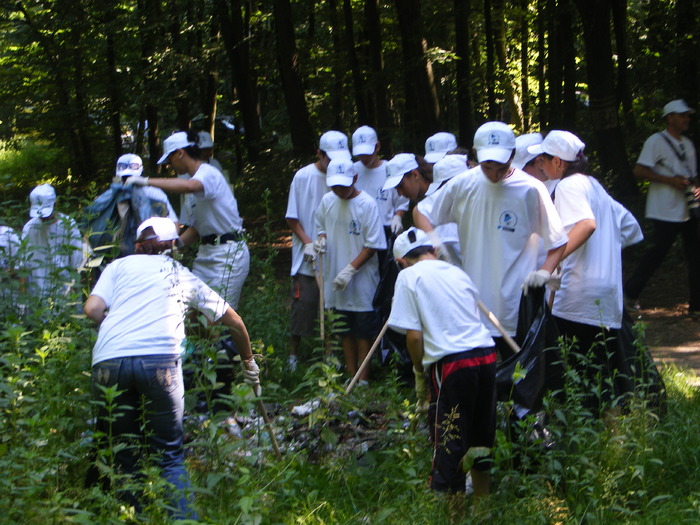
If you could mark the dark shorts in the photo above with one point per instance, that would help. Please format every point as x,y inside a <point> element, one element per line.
<point>462,413</point>
<point>363,325</point>
<point>304,316</point>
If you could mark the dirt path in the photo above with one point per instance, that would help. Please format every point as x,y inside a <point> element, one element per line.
<point>672,335</point>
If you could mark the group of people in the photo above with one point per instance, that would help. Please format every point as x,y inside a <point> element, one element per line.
<point>523,214</point>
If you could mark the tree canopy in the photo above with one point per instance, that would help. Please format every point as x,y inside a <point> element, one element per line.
<point>95,79</point>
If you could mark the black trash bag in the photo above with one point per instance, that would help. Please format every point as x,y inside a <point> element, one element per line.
<point>637,372</point>
<point>387,280</point>
<point>539,359</point>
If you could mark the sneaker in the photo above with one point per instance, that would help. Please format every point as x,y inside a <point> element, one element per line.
<point>292,363</point>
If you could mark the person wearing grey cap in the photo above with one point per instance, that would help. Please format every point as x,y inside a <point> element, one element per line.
<point>669,163</point>
<point>223,259</point>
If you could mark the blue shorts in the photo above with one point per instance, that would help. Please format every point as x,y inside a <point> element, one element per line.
<point>362,325</point>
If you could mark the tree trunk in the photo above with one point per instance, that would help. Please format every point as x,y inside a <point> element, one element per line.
<point>377,83</point>
<point>568,50</point>
<point>688,49</point>
<point>525,64</point>
<point>623,91</point>
<point>493,110</point>
<point>513,113</point>
<point>421,112</point>
<point>358,80</point>
<point>303,137</point>
<point>543,116</point>
<point>554,66</point>
<point>238,52</point>
<point>465,100</point>
<point>150,22</point>
<point>338,66</point>
<point>595,16</point>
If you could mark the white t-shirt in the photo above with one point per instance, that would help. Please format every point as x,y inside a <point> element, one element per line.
<point>305,193</point>
<point>440,300</point>
<point>214,210</point>
<point>371,180</point>
<point>448,232</point>
<point>499,229</point>
<point>350,226</point>
<point>147,297</point>
<point>664,202</point>
<point>51,250</point>
<point>156,194</point>
<point>9,248</point>
<point>591,284</point>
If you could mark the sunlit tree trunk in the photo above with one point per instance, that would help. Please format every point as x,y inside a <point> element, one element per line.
<point>515,114</point>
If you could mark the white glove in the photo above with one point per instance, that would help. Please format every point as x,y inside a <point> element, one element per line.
<point>555,281</point>
<point>309,252</point>
<point>251,375</point>
<point>396,225</point>
<point>343,278</point>
<point>136,181</point>
<point>320,244</point>
<point>535,280</point>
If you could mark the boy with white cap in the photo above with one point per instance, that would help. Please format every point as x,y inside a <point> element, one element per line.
<point>52,244</point>
<point>435,305</point>
<point>438,145</point>
<point>349,233</point>
<point>404,174</point>
<point>371,174</point>
<point>497,209</point>
<point>305,193</point>
<point>668,162</point>
<point>206,146</point>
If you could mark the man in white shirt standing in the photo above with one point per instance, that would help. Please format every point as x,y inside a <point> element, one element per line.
<point>669,163</point>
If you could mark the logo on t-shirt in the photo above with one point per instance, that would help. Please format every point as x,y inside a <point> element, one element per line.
<point>382,195</point>
<point>507,221</point>
<point>354,228</point>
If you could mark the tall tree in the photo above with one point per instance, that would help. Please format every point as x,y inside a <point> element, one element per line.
<point>603,112</point>
<point>303,137</point>
<point>378,111</point>
<point>505,80</point>
<point>358,80</point>
<point>465,102</point>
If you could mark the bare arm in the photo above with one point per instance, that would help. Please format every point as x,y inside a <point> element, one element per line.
<point>646,173</point>
<point>177,185</point>
<point>365,255</point>
<point>95,308</point>
<point>189,236</point>
<point>414,345</point>
<point>421,221</point>
<point>239,332</point>
<point>298,230</point>
<point>554,257</point>
<point>578,235</point>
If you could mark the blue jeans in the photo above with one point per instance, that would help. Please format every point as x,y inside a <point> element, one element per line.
<point>157,379</point>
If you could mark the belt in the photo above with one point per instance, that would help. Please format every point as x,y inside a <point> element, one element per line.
<point>221,239</point>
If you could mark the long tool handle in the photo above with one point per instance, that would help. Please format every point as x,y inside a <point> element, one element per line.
<point>494,320</point>
<point>266,418</point>
<point>321,300</point>
<point>365,362</point>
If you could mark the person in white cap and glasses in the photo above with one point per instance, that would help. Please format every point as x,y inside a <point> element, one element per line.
<point>140,303</point>
<point>52,246</point>
<point>222,259</point>
<point>349,234</point>
<point>588,305</point>
<point>668,161</point>
<point>435,306</point>
<point>444,170</point>
<point>371,174</point>
<point>305,193</point>
<point>497,209</point>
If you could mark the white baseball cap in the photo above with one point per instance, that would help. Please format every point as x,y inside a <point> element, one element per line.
<point>677,106</point>
<point>364,141</point>
<point>163,227</point>
<point>558,143</point>
<point>397,167</point>
<point>446,168</point>
<point>204,140</point>
<point>438,145</point>
<point>410,240</point>
<point>129,165</point>
<point>340,172</point>
<point>522,155</point>
<point>42,200</point>
<point>175,142</point>
<point>494,141</point>
<point>335,144</point>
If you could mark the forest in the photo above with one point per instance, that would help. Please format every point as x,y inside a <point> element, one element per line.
<point>84,82</point>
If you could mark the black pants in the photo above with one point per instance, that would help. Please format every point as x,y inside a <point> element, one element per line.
<point>662,238</point>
